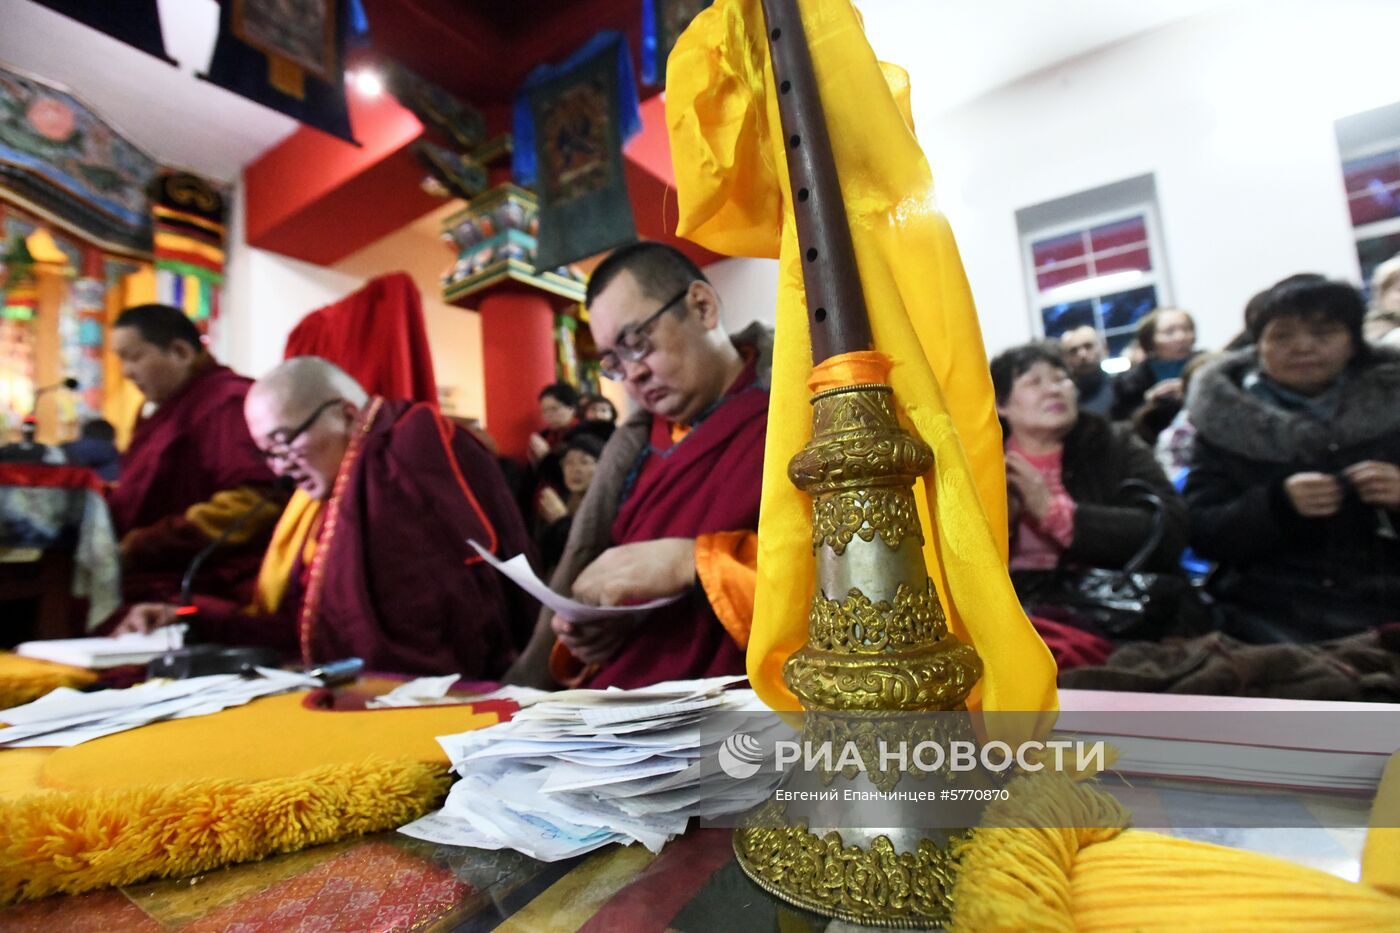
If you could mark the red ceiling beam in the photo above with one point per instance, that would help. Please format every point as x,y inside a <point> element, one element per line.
<point>318,198</point>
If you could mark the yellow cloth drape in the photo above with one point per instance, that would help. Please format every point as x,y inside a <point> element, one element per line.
<point>732,189</point>
<point>292,537</point>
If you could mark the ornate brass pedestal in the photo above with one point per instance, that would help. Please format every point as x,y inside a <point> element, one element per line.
<point>878,646</point>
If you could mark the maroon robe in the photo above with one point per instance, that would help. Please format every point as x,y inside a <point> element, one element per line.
<point>194,447</point>
<point>398,584</point>
<point>708,481</point>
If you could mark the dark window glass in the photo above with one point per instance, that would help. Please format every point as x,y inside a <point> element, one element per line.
<point>1124,309</point>
<point>1062,317</point>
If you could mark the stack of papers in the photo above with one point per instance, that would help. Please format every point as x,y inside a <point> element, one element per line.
<point>433,691</point>
<point>66,717</point>
<point>585,768</point>
<point>100,653</point>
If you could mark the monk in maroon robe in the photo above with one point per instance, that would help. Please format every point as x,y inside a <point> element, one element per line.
<point>371,558</point>
<point>673,508</point>
<point>191,470</point>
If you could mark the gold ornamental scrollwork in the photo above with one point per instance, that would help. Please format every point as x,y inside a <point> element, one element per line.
<point>853,883</point>
<point>937,679</point>
<point>887,511</point>
<point>857,440</point>
<point>858,625</point>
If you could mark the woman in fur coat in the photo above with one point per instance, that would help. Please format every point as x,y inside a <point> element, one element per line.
<point>1295,482</point>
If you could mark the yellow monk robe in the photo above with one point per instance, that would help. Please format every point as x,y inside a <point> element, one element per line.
<point>732,188</point>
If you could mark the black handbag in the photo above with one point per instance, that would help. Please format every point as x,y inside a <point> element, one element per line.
<point>1121,605</point>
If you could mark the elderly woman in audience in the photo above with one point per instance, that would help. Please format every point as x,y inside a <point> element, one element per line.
<point>1150,394</point>
<point>1295,480</point>
<point>1065,472</point>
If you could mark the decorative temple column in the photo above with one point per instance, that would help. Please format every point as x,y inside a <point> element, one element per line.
<point>495,274</point>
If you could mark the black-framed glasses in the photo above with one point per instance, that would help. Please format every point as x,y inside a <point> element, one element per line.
<point>281,450</point>
<point>634,343</point>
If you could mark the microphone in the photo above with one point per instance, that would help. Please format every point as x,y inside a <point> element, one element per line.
<point>199,660</point>
<point>68,383</point>
<point>185,607</point>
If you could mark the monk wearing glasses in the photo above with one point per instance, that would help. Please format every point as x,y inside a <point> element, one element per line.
<point>673,507</point>
<point>370,558</point>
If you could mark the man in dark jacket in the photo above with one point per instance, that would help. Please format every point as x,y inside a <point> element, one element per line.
<point>1295,479</point>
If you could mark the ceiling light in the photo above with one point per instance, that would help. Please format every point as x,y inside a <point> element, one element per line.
<point>1089,288</point>
<point>366,81</point>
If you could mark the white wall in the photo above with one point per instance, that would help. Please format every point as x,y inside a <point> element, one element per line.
<point>265,296</point>
<point>748,290</point>
<point>1232,111</point>
<point>454,334</point>
<point>268,294</point>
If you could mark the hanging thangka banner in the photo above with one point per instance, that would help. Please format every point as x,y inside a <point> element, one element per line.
<point>663,21</point>
<point>135,22</point>
<point>189,243</point>
<point>287,55</point>
<point>64,163</point>
<point>570,123</point>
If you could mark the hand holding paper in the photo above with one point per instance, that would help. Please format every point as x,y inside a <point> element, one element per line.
<point>518,570</point>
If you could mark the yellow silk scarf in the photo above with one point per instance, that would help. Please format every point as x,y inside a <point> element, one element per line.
<point>732,188</point>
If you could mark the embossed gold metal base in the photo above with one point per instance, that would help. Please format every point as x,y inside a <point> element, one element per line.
<point>877,643</point>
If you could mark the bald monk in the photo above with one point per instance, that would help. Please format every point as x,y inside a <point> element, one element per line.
<point>191,470</point>
<point>673,507</point>
<point>371,558</point>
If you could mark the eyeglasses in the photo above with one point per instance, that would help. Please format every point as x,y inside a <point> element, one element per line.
<point>634,343</point>
<point>282,449</point>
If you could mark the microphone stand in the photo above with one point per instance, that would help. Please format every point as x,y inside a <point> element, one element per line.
<point>197,659</point>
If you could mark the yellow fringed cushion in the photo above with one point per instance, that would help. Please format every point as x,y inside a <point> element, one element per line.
<point>26,679</point>
<point>187,795</point>
<point>72,842</point>
<point>1101,877</point>
<point>268,738</point>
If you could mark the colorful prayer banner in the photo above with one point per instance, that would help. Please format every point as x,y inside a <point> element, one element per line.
<point>570,123</point>
<point>282,59</point>
<point>135,22</point>
<point>57,154</point>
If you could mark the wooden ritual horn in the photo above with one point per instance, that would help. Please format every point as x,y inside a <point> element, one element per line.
<point>878,646</point>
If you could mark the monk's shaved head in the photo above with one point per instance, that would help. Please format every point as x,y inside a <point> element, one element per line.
<point>296,386</point>
<point>301,416</point>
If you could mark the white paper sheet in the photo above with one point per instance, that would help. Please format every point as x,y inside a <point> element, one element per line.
<point>518,570</point>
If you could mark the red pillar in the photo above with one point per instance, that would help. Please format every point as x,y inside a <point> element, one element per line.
<point>517,349</point>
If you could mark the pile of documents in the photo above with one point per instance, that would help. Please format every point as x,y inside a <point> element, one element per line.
<point>100,653</point>
<point>580,769</point>
<point>66,717</point>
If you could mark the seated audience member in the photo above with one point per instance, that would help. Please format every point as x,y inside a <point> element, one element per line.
<point>1383,321</point>
<point>371,557</point>
<point>673,508</point>
<point>1173,447</point>
<point>1084,350</point>
<point>558,411</point>
<point>1150,393</point>
<point>191,470</point>
<point>596,408</point>
<point>1294,485</point>
<point>1065,470</point>
<point>95,448</point>
<point>582,449</point>
<point>29,450</point>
